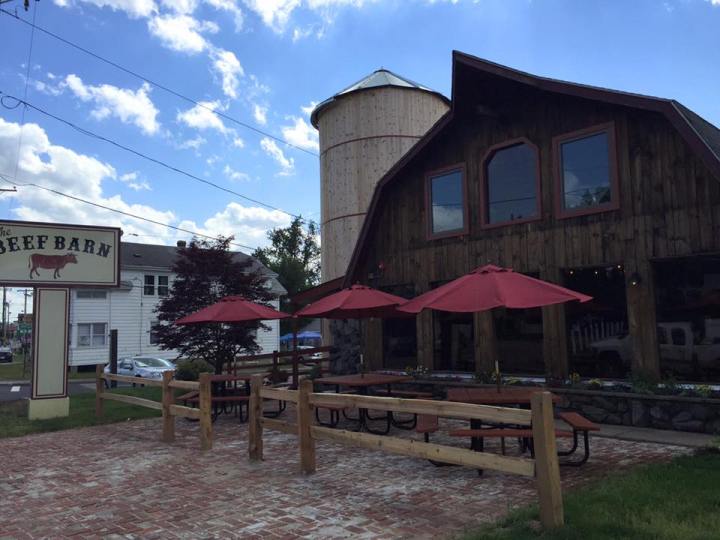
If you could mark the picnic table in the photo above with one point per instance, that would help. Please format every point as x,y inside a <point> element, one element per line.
<point>226,395</point>
<point>361,382</point>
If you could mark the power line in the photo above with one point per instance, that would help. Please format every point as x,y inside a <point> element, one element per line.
<point>128,214</point>
<point>26,104</point>
<point>158,85</point>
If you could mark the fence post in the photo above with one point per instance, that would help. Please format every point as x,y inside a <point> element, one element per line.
<point>205,414</point>
<point>305,421</point>
<point>255,413</point>
<point>168,398</point>
<point>547,468</point>
<point>99,389</point>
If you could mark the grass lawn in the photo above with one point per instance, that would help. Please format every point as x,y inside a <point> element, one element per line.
<point>82,413</point>
<point>678,501</point>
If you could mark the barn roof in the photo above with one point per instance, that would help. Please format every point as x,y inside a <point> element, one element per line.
<point>377,79</point>
<point>702,136</point>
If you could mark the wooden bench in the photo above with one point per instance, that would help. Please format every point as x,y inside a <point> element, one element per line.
<point>409,394</point>
<point>579,425</point>
<point>335,410</point>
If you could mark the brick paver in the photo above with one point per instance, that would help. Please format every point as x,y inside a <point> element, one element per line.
<point>119,481</point>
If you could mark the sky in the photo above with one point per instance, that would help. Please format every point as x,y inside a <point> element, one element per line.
<point>265,64</point>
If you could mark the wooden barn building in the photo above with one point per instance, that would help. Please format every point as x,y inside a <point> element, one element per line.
<point>609,193</point>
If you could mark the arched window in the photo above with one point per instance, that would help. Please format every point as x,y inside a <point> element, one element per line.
<point>512,184</point>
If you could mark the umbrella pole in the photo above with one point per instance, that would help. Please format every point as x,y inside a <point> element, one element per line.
<point>498,378</point>
<point>295,367</point>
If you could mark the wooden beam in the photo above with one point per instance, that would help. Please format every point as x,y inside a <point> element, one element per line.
<point>205,403</point>
<point>135,380</point>
<point>642,322</point>
<point>445,409</point>
<point>279,394</point>
<point>99,390</point>
<point>546,461</point>
<point>486,349</point>
<point>373,343</point>
<point>555,347</point>
<point>436,452</point>
<point>255,412</point>
<point>133,400</point>
<point>187,412</point>
<point>168,400</point>
<point>424,329</point>
<point>185,385</point>
<point>305,421</point>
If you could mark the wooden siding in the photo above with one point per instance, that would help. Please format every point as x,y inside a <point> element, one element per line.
<point>669,205</point>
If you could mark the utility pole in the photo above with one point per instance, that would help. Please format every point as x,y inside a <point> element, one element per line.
<point>4,317</point>
<point>26,293</point>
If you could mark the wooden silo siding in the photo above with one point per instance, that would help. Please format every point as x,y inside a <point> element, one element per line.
<point>361,136</point>
<point>669,207</point>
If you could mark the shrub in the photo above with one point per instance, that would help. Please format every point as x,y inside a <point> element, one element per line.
<point>190,370</point>
<point>595,384</point>
<point>704,390</point>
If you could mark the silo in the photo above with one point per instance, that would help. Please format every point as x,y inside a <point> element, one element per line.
<point>364,130</point>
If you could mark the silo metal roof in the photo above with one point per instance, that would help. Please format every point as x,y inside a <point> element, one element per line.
<point>377,79</point>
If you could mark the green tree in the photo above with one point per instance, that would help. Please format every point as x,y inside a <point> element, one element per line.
<point>294,255</point>
<point>206,272</point>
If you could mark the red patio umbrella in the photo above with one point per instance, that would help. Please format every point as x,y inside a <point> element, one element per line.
<point>489,287</point>
<point>233,309</point>
<point>357,302</point>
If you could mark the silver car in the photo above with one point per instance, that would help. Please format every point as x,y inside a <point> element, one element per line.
<point>147,367</point>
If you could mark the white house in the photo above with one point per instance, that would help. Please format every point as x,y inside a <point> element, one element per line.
<point>145,278</point>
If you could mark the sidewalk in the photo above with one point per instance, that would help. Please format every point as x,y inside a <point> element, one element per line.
<point>660,436</point>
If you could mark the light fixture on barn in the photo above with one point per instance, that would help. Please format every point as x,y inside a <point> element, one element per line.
<point>635,279</point>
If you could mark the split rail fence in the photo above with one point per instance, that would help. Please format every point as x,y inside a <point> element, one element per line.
<point>544,467</point>
<point>170,410</point>
<point>300,361</point>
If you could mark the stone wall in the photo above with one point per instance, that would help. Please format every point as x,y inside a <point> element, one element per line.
<point>661,412</point>
<point>345,357</point>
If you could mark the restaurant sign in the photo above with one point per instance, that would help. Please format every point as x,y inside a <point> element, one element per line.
<point>50,254</point>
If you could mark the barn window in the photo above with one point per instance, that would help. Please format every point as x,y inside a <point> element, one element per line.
<point>149,289</point>
<point>586,174</point>
<point>91,334</point>
<point>447,214</point>
<point>511,184</point>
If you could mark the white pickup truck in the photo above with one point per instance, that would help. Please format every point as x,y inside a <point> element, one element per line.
<point>679,350</point>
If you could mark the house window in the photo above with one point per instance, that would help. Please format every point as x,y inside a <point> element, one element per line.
<point>162,286</point>
<point>585,170</point>
<point>91,293</point>
<point>511,188</point>
<point>446,197</point>
<point>154,336</point>
<point>149,286</point>
<point>91,335</point>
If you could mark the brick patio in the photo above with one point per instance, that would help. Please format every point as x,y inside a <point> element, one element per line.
<point>120,481</point>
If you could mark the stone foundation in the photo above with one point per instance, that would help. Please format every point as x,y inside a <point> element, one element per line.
<point>346,340</point>
<point>662,412</point>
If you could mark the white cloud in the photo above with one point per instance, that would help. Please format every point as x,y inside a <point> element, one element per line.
<point>181,32</point>
<point>131,107</point>
<point>231,6</point>
<point>276,14</point>
<point>249,225</point>
<point>715,2</point>
<point>131,179</point>
<point>301,134</point>
<point>186,7</point>
<point>308,109</point>
<point>238,142</point>
<point>234,175</point>
<point>61,168</point>
<point>287,165</point>
<point>260,114</point>
<point>229,68</point>
<point>203,117</point>
<point>133,8</point>
<point>193,143</point>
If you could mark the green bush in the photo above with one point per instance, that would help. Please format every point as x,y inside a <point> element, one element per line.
<point>190,370</point>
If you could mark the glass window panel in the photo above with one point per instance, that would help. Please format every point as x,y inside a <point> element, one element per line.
<point>512,184</point>
<point>149,285</point>
<point>586,172</point>
<point>447,202</point>
<point>83,335</point>
<point>162,285</point>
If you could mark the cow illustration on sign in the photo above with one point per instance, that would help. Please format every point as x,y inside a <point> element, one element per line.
<point>52,262</point>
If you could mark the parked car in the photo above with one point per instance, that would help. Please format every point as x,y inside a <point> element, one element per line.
<point>679,348</point>
<point>143,366</point>
<point>6,354</point>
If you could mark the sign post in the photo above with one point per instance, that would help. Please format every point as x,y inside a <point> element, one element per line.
<point>52,258</point>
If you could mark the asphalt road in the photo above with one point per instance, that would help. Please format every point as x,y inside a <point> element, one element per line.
<point>22,391</point>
